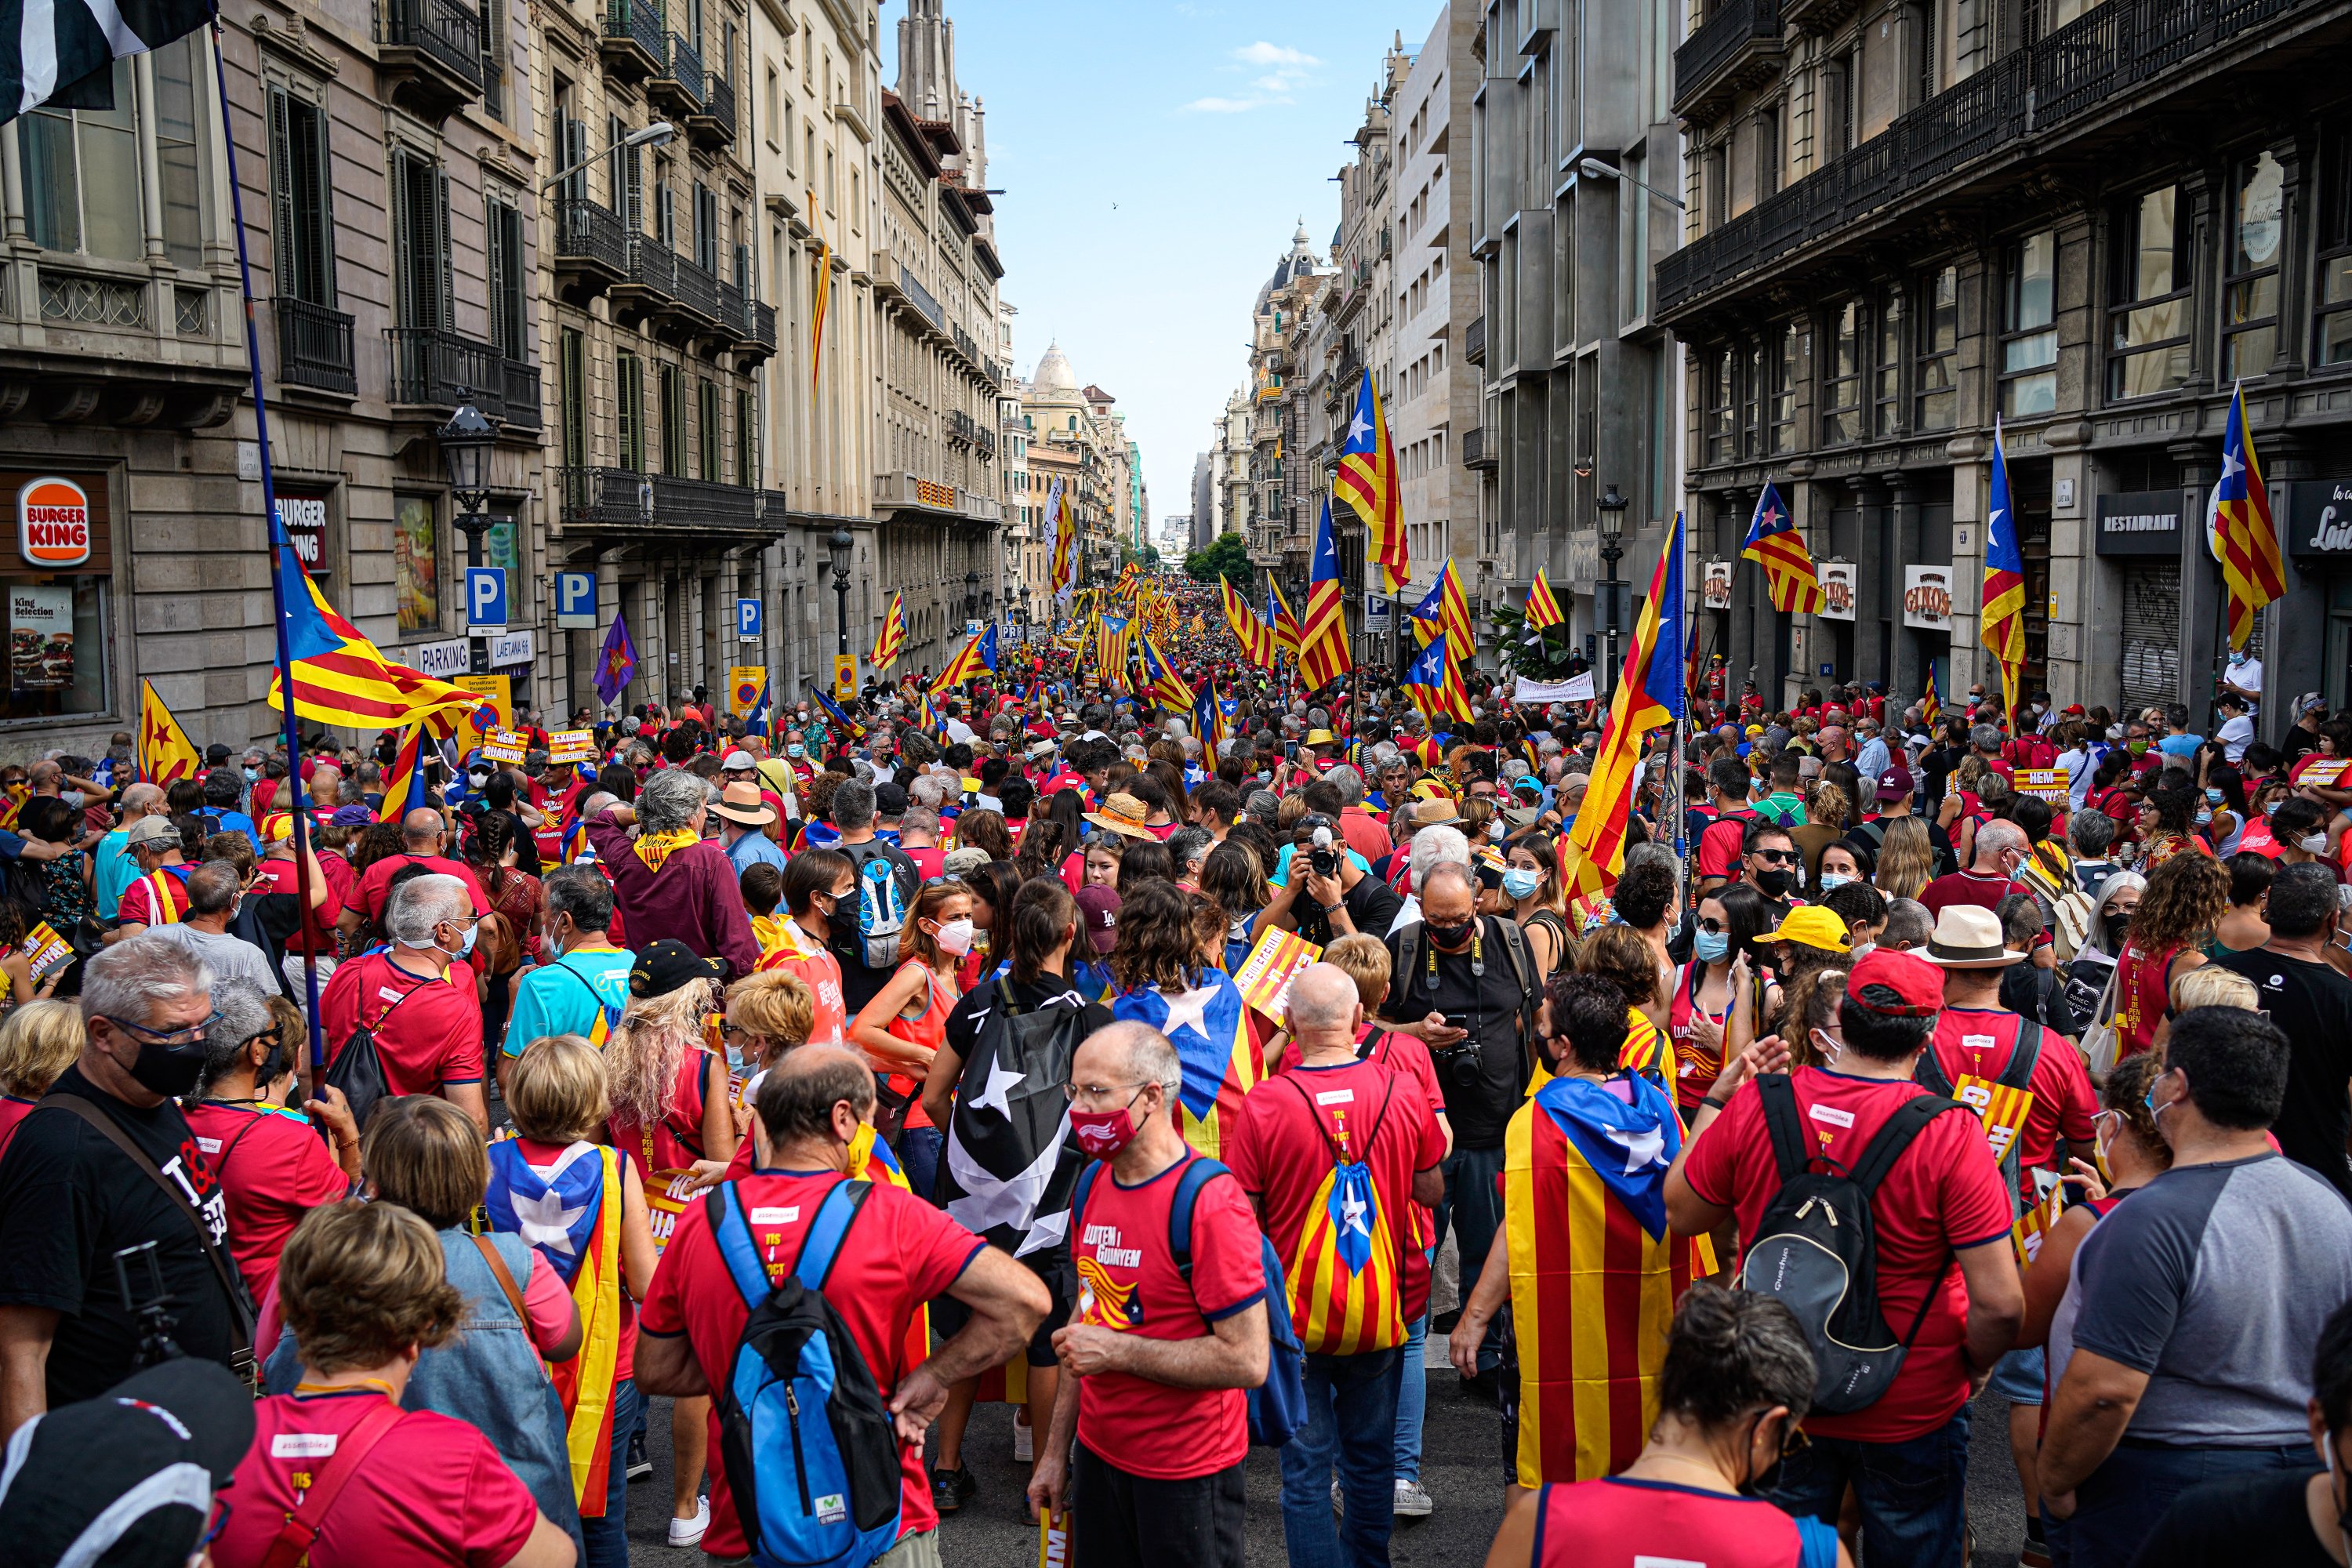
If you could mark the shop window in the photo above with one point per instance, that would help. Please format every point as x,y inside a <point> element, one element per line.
<point>2029,335</point>
<point>2334,293</point>
<point>55,579</point>
<point>1842,382</point>
<point>2147,290</point>
<point>2250,286</point>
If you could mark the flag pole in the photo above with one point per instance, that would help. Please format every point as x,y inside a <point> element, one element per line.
<point>1677,780</point>
<point>298,813</point>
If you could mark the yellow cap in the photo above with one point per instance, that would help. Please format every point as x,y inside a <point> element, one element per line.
<point>1813,926</point>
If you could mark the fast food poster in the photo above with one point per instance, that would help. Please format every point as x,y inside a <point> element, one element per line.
<point>1928,598</point>
<point>1714,591</point>
<point>40,636</point>
<point>416,565</point>
<point>1837,590</point>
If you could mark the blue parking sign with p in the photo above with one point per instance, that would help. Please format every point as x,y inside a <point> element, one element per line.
<point>575,601</point>
<point>747,620</point>
<point>485,599</point>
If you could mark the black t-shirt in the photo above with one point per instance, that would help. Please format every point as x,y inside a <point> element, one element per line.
<point>2312,1005</point>
<point>1936,765</point>
<point>2299,743</point>
<point>2257,1517</point>
<point>1488,1006</point>
<point>69,1199</point>
<point>1371,905</point>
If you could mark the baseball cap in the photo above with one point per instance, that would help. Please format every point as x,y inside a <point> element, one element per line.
<point>1894,985</point>
<point>128,1476</point>
<point>889,800</point>
<point>1099,917</point>
<point>150,830</point>
<point>738,760</point>
<point>352,816</point>
<point>1894,783</point>
<point>1810,925</point>
<point>664,967</point>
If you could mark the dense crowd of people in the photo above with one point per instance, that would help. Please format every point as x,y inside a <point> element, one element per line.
<point>369,1182</point>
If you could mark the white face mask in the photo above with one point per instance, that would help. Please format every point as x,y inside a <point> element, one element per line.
<point>1828,1044</point>
<point>2314,844</point>
<point>955,937</point>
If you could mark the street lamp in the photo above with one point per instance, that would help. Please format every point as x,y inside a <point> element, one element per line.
<point>657,134</point>
<point>1594,169</point>
<point>466,443</point>
<point>842,546</point>
<point>1611,510</point>
<point>972,595</point>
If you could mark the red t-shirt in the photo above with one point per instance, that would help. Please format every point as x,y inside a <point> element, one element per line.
<point>13,1112</point>
<point>367,897</point>
<point>929,858</point>
<point>1967,888</point>
<point>317,932</point>
<point>1719,842</point>
<point>1977,1041</point>
<point>138,906</point>
<point>274,1168</point>
<point>433,1490</point>
<point>434,1039</point>
<point>1943,1194</point>
<point>1617,1519</point>
<point>1127,1281</point>
<point>901,1253</point>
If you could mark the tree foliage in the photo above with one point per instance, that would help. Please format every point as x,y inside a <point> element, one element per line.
<point>1226,557</point>
<point>1547,657</point>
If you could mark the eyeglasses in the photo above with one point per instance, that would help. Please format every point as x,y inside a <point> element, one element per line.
<point>1712,926</point>
<point>1074,1092</point>
<point>187,1034</point>
<point>734,1031</point>
<point>1775,856</point>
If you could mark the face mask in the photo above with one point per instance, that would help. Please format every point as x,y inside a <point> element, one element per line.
<point>252,774</point>
<point>794,750</point>
<point>2314,844</point>
<point>955,937</point>
<point>275,1068</point>
<point>1828,1044</point>
<point>2154,1111</point>
<point>465,948</point>
<point>2137,748</point>
<point>2204,815</point>
<point>477,781</point>
<point>1103,1133</point>
<point>1833,880</point>
<point>72,798</point>
<point>1450,936</point>
<point>1773,884</point>
<point>2214,795</point>
<point>1520,882</point>
<point>1711,946</point>
<point>168,1070</point>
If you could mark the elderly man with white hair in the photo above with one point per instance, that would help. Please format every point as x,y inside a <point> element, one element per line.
<point>1426,850</point>
<point>417,999</point>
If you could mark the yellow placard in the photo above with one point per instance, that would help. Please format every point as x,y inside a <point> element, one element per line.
<point>2046,784</point>
<point>494,687</point>
<point>1054,1538</point>
<point>45,949</point>
<point>571,745</point>
<point>844,677</point>
<point>1264,977</point>
<point>504,746</point>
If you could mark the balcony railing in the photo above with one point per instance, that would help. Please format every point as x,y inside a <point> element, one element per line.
<point>2107,53</point>
<point>652,266</point>
<point>522,395</point>
<point>1701,58</point>
<point>314,347</point>
<point>698,290</point>
<point>763,325</point>
<point>685,69</point>
<point>719,109</point>
<point>585,232</point>
<point>963,428</point>
<point>447,31</point>
<point>623,497</point>
<point>921,297</point>
<point>1473,341</point>
<point>734,312</point>
<point>1474,454</point>
<point>440,370</point>
<point>638,23</point>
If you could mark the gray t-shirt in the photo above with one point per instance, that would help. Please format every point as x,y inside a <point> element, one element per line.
<point>2215,1280</point>
<point>229,957</point>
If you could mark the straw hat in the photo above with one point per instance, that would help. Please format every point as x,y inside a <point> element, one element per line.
<point>1124,813</point>
<point>740,804</point>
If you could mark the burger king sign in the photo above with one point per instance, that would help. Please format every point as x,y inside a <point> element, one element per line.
<point>53,523</point>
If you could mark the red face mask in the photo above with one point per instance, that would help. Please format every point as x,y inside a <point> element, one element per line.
<point>1103,1133</point>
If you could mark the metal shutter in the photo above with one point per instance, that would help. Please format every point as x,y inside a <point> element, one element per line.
<point>2151,650</point>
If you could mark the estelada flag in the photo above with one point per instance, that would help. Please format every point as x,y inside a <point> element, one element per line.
<point>1222,1054</point>
<point>1345,1277</point>
<point>1594,1272</point>
<point>166,752</point>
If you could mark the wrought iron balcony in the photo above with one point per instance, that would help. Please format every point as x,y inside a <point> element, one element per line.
<point>522,395</point>
<point>636,44</point>
<point>432,52</point>
<point>622,498</point>
<point>963,428</point>
<point>763,326</point>
<point>1737,45</point>
<point>1474,453</point>
<point>698,291</point>
<point>1473,341</point>
<point>749,327</point>
<point>2117,51</point>
<point>650,284</point>
<point>438,370</point>
<point>680,82</point>
<point>591,244</point>
<point>713,125</point>
<point>314,347</point>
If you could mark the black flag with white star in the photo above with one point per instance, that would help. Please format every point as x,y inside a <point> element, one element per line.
<point>1009,1164</point>
<point>62,52</point>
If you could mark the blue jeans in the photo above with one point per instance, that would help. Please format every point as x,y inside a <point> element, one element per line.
<point>918,1157</point>
<point>2115,1508</point>
<point>1350,1422</point>
<point>1473,1207</point>
<point>607,1539</point>
<point>1913,1493</point>
<point>1412,1398</point>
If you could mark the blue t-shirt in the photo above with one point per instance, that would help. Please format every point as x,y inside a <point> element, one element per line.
<point>116,870</point>
<point>548,1002</point>
<point>754,850</point>
<point>1281,878</point>
<point>2185,747</point>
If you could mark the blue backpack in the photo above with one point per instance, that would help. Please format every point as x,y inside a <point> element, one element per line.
<point>1277,1408</point>
<point>808,1445</point>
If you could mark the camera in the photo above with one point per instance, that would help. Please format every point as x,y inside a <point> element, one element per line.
<point>1314,831</point>
<point>1461,1063</point>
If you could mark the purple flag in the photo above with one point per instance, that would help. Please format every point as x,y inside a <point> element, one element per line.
<point>618,662</point>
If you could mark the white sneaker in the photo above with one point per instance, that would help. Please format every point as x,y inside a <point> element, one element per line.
<point>1025,1442</point>
<point>689,1531</point>
<point>1412,1499</point>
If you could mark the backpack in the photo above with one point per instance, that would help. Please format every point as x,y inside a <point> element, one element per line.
<point>1815,1249</point>
<point>807,1441</point>
<point>358,1068</point>
<point>868,935</point>
<point>2066,907</point>
<point>1514,947</point>
<point>1277,1408</point>
<point>1355,1275</point>
<point>2005,1121</point>
<point>991,1144</point>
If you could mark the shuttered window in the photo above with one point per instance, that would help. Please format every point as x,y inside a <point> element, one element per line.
<point>673,418</point>
<point>301,205</point>
<point>572,367</point>
<point>706,418</point>
<point>509,314</point>
<point>2151,648</point>
<point>420,242</point>
<point>629,410</point>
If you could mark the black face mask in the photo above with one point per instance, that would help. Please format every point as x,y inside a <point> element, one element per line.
<point>1773,884</point>
<point>1451,937</point>
<point>170,1070</point>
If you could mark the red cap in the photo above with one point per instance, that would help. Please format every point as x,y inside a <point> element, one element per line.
<point>1917,985</point>
<point>1894,783</point>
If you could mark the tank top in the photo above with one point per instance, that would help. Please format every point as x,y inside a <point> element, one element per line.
<point>928,1028</point>
<point>1695,1067</point>
<point>2143,997</point>
<point>1619,1518</point>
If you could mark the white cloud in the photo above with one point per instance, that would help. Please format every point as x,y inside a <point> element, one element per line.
<point>1282,70</point>
<point>1224,105</point>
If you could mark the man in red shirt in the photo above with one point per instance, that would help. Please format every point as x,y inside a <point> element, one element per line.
<point>159,894</point>
<point>417,999</point>
<point>1945,1273</point>
<point>899,1253</point>
<point>1722,841</point>
<point>1999,849</point>
<point>1157,1353</point>
<point>1295,1139</point>
<point>422,836</point>
<point>330,887</point>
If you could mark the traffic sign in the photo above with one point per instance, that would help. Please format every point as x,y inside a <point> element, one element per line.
<point>485,600</point>
<point>845,677</point>
<point>575,601</point>
<point>747,620</point>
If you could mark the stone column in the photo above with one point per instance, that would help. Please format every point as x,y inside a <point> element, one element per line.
<point>2201,577</point>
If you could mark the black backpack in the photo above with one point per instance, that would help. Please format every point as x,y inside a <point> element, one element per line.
<point>1816,1250</point>
<point>357,1068</point>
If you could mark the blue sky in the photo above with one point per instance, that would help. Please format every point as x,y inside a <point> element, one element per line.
<point>1155,159</point>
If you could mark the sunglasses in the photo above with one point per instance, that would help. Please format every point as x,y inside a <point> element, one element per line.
<point>1712,926</point>
<point>1776,856</point>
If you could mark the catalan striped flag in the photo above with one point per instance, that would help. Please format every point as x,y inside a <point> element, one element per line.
<point>404,782</point>
<point>976,655</point>
<point>1649,695</point>
<point>166,752</point>
<point>341,677</point>
<point>1542,610</point>
<point>583,1188</point>
<point>1163,685</point>
<point>832,709</point>
<point>1368,481</point>
<point>1929,709</point>
<point>2001,620</point>
<point>2243,529</point>
<point>1278,616</point>
<point>1774,543</point>
<point>1255,636</point>
<point>1594,1272</point>
<point>1210,1028</point>
<point>893,640</point>
<point>1065,540</point>
<point>1209,723</point>
<point>1323,655</point>
<point>1110,650</point>
<point>1461,634</point>
<point>1435,682</point>
<point>927,713</point>
<point>823,294</point>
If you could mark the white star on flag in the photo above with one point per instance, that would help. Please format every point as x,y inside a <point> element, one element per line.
<point>999,1082</point>
<point>545,1221</point>
<point>1355,1214</point>
<point>2231,464</point>
<point>1642,1149</point>
<point>1189,1009</point>
<point>1359,427</point>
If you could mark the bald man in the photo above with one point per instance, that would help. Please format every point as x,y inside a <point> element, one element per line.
<point>423,835</point>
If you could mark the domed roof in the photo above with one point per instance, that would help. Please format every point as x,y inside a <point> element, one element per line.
<point>1301,240</point>
<point>1054,373</point>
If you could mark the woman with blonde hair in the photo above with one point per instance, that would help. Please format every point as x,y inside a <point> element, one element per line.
<point>1906,859</point>
<point>38,1040</point>
<point>1828,814</point>
<point>1531,883</point>
<point>2211,985</point>
<point>901,1029</point>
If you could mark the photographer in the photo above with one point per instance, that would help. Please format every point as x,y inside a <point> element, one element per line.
<point>1335,893</point>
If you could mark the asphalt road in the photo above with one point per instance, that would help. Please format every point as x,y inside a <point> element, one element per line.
<point>1462,1470</point>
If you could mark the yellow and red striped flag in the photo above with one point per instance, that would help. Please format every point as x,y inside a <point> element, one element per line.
<point>1278,616</point>
<point>2245,535</point>
<point>893,640</point>
<point>1323,655</point>
<point>1368,481</point>
<point>341,677</point>
<point>1543,610</point>
<point>166,752</point>
<point>2001,620</point>
<point>1774,543</point>
<point>1649,696</point>
<point>823,294</point>
<point>1254,635</point>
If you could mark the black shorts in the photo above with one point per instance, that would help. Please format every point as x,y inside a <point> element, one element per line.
<point>1124,1520</point>
<point>949,1315</point>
